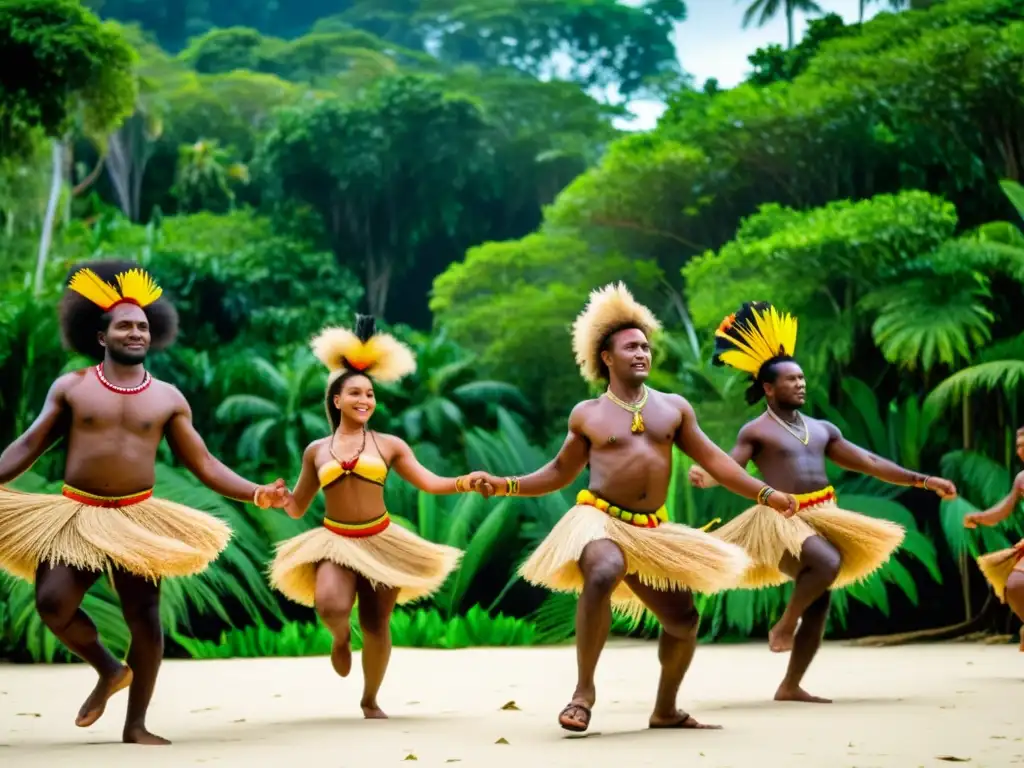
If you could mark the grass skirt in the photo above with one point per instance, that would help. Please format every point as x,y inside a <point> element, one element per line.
<point>395,557</point>
<point>997,567</point>
<point>864,543</point>
<point>154,539</point>
<point>667,558</point>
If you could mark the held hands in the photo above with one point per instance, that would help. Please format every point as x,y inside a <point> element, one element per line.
<point>275,495</point>
<point>481,482</point>
<point>783,503</point>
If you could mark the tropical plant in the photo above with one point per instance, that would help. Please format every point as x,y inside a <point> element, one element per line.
<point>410,628</point>
<point>766,10</point>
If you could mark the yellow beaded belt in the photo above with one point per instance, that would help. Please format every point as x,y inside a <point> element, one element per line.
<point>813,499</point>
<point>639,519</point>
<point>358,530</point>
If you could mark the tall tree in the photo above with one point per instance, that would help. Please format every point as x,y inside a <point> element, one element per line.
<point>766,10</point>
<point>384,172</point>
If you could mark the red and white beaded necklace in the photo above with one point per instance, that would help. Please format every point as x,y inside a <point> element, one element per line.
<point>147,379</point>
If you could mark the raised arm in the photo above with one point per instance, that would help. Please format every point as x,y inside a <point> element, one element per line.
<point>190,449</point>
<point>49,426</point>
<point>855,459</point>
<point>408,467</point>
<point>741,453</point>
<point>307,486</point>
<point>692,441</point>
<point>556,474</point>
<point>1002,510</point>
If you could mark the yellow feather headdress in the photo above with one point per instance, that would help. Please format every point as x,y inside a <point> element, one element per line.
<point>378,355</point>
<point>609,309</point>
<point>134,286</point>
<point>752,336</point>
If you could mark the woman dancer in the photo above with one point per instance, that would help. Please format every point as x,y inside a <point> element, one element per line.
<point>358,553</point>
<point>1004,569</point>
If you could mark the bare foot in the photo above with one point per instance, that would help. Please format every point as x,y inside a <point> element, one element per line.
<point>680,720</point>
<point>799,694</point>
<point>372,712</point>
<point>96,702</point>
<point>137,734</point>
<point>780,638</point>
<point>341,657</point>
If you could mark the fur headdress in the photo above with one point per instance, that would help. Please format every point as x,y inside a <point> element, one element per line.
<point>95,288</point>
<point>609,309</point>
<point>380,356</point>
<point>752,336</point>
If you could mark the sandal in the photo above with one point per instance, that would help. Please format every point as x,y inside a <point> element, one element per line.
<point>577,724</point>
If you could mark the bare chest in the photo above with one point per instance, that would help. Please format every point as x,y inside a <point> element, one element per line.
<point>96,409</point>
<point>610,429</point>
<point>801,443</point>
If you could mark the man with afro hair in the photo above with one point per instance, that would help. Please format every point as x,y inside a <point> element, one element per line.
<point>113,416</point>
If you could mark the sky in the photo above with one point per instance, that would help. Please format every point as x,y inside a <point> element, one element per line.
<point>712,43</point>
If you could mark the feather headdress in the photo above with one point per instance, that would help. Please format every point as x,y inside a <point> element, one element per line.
<point>753,335</point>
<point>608,310</point>
<point>378,355</point>
<point>134,286</point>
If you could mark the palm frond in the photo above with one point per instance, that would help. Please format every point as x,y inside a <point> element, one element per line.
<point>1004,376</point>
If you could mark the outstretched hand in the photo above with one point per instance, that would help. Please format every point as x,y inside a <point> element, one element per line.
<point>944,488</point>
<point>699,477</point>
<point>973,520</point>
<point>783,503</point>
<point>275,495</point>
<point>1020,443</point>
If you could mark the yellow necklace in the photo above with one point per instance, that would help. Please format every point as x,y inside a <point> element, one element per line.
<point>637,426</point>
<point>789,428</point>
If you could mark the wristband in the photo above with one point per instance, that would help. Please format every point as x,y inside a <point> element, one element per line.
<point>763,494</point>
<point>459,487</point>
<point>511,486</point>
<point>256,496</point>
<point>924,483</point>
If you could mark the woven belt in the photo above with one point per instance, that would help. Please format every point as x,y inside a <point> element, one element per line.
<point>813,499</point>
<point>639,519</point>
<point>112,502</point>
<point>358,530</point>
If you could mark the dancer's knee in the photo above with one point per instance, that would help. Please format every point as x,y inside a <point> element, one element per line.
<point>603,568</point>
<point>681,625</point>
<point>820,560</point>
<point>334,611</point>
<point>1015,592</point>
<point>142,615</point>
<point>54,607</point>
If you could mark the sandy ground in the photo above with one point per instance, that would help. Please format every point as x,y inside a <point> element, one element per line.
<point>902,707</point>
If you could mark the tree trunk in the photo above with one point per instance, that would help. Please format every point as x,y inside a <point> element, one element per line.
<point>860,17</point>
<point>46,236</point>
<point>789,22</point>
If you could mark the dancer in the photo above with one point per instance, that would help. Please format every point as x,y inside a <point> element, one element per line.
<point>1004,569</point>
<point>114,416</point>
<point>822,547</point>
<point>358,552</point>
<point>616,546</point>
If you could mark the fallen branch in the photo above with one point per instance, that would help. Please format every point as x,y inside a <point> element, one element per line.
<point>934,634</point>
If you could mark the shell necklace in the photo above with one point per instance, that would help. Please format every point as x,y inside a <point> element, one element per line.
<point>637,425</point>
<point>805,438</point>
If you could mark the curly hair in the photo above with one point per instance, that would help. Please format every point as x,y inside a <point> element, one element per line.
<point>81,321</point>
<point>768,373</point>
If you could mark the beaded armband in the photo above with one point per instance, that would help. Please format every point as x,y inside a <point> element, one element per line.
<point>511,486</point>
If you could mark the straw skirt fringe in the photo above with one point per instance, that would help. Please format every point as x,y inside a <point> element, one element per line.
<point>395,557</point>
<point>996,567</point>
<point>864,543</point>
<point>669,557</point>
<point>155,539</point>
